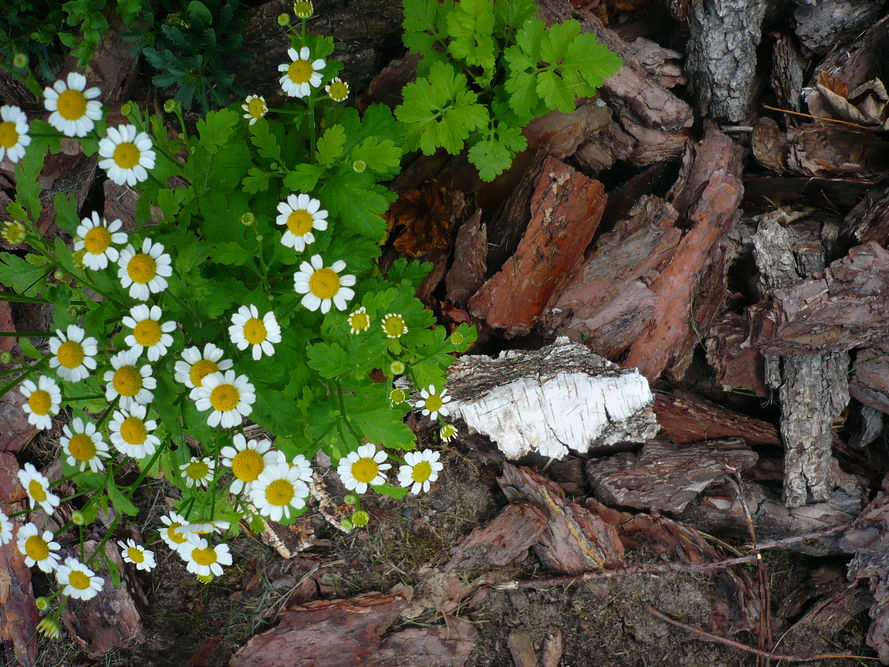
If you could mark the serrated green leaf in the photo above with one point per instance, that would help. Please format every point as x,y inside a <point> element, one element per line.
<point>495,153</point>
<point>304,177</point>
<point>510,15</point>
<point>256,180</point>
<point>424,23</point>
<point>262,137</point>
<point>357,203</point>
<point>471,27</point>
<point>380,155</point>
<point>121,502</point>
<point>329,360</point>
<point>215,129</point>
<point>19,274</point>
<point>330,145</point>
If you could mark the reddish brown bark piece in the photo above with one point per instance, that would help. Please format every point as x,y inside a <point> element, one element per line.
<point>6,324</point>
<point>686,417</point>
<point>504,540</point>
<point>700,163</point>
<point>575,540</point>
<point>845,308</point>
<point>607,302</point>
<point>869,383</point>
<point>869,219</point>
<point>712,216</point>
<point>110,620</point>
<point>665,477</point>
<point>324,633</point>
<point>565,208</point>
<point>15,429</point>
<point>447,645</point>
<point>467,272</point>
<point>729,352</point>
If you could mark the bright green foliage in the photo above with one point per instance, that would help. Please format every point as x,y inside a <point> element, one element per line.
<point>490,67</point>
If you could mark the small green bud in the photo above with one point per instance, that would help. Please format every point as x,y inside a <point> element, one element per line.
<point>457,338</point>
<point>58,274</point>
<point>259,237</point>
<point>351,499</point>
<point>20,60</point>
<point>397,396</point>
<point>283,20</point>
<point>78,518</point>
<point>205,578</point>
<point>396,367</point>
<point>5,357</point>
<point>303,10</point>
<point>13,232</point>
<point>42,603</point>
<point>347,524</point>
<point>171,106</point>
<point>359,166</point>
<point>126,109</point>
<point>360,518</point>
<point>248,219</point>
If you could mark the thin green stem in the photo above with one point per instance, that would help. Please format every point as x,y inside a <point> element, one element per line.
<point>131,489</point>
<point>101,548</point>
<point>339,394</point>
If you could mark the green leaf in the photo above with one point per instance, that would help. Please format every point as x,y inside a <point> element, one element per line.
<point>397,492</point>
<point>510,15</point>
<point>440,111</point>
<point>66,212</point>
<point>494,154</point>
<point>262,137</point>
<point>471,27</point>
<point>330,145</point>
<point>216,128</point>
<point>303,178</point>
<point>19,274</point>
<point>380,155</point>
<point>357,203</point>
<point>256,180</point>
<point>120,501</point>
<point>424,23</point>
<point>554,92</point>
<point>329,359</point>
<point>28,349</point>
<point>197,11</point>
<point>229,253</point>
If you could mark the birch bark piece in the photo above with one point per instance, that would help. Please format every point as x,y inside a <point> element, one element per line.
<point>549,400</point>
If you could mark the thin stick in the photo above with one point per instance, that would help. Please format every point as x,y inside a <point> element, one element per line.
<point>824,118</point>
<point>707,636</point>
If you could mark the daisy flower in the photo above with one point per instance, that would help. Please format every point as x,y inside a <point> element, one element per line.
<point>95,237</point>
<point>196,365</point>
<point>148,333</point>
<point>301,214</point>
<point>13,133</point>
<point>131,434</point>
<point>420,471</point>
<point>302,74</point>
<point>337,89</point>
<point>432,403</point>
<point>73,355</point>
<point>131,383</point>
<point>136,554</point>
<point>363,468</point>
<point>13,232</point>
<point>447,432</point>
<point>231,398</point>
<point>394,325</point>
<point>303,468</point>
<point>80,582</point>
<point>127,155</point>
<point>259,333</point>
<point>201,558</point>
<point>248,459</point>
<point>74,107</point>
<point>322,285</point>
<point>359,320</point>
<point>39,550</point>
<point>37,486</point>
<point>83,445</point>
<point>278,491</point>
<point>255,107</point>
<point>176,530</point>
<point>198,472</point>
<point>5,529</point>
<point>44,399</point>
<point>144,273</point>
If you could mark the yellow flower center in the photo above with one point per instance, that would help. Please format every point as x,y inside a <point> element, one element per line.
<point>82,447</point>
<point>324,283</point>
<point>279,493</point>
<point>79,580</point>
<point>397,396</point>
<point>338,91</point>
<point>40,402</point>
<point>204,556</point>
<point>70,354</point>
<point>126,155</point>
<point>197,470</point>
<point>36,491</point>
<point>72,104</point>
<point>254,331</point>
<point>300,222</point>
<point>142,268</point>
<point>176,537</point>
<point>225,397</point>
<point>37,548</point>
<point>14,232</point>
<point>9,136</point>
<point>201,369</point>
<point>394,326</point>
<point>147,333</point>
<point>365,470</point>
<point>300,71</point>
<point>421,471</point>
<point>248,465</point>
<point>434,403</point>
<point>97,240</point>
<point>135,555</point>
<point>256,108</point>
<point>133,431</point>
<point>127,381</point>
<point>359,321</point>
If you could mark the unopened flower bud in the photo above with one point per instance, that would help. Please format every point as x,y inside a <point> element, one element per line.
<point>42,603</point>
<point>397,396</point>
<point>58,274</point>
<point>205,578</point>
<point>170,106</point>
<point>78,518</point>
<point>126,109</point>
<point>457,338</point>
<point>360,518</point>
<point>396,367</point>
<point>20,60</point>
<point>351,499</point>
<point>359,166</point>
<point>283,20</point>
<point>248,219</point>
<point>5,357</point>
<point>49,627</point>
<point>347,524</point>
<point>303,10</point>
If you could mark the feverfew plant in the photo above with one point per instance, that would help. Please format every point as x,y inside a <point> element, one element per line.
<point>488,68</point>
<point>244,292</point>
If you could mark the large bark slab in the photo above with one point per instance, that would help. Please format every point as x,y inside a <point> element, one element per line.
<point>565,208</point>
<point>548,400</point>
<point>686,417</point>
<point>448,645</point>
<point>822,25</point>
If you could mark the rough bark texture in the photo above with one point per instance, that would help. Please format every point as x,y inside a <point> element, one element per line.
<point>826,23</point>
<point>721,62</point>
<point>869,220</point>
<point>786,76</point>
<point>447,645</point>
<point>575,540</point>
<point>730,353</point>
<point>665,477</point>
<point>551,399</point>
<point>565,208</point>
<point>686,417</point>
<point>467,272</point>
<point>870,380</point>
<point>502,541</point>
